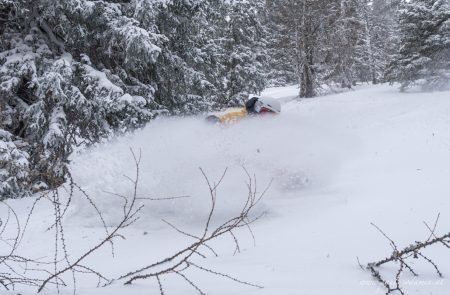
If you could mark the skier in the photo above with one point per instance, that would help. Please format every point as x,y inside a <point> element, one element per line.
<point>254,106</point>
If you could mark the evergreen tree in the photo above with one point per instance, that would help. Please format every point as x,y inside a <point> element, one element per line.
<point>424,54</point>
<point>246,63</point>
<point>380,39</point>
<point>181,83</point>
<point>319,40</point>
<point>75,72</point>
<point>338,42</point>
<point>281,44</point>
<point>342,42</point>
<point>55,97</point>
<point>14,167</point>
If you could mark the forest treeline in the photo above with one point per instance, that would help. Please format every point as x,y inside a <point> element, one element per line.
<point>75,72</point>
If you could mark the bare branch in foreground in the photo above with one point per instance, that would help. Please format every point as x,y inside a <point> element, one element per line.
<point>130,210</point>
<point>13,266</point>
<point>180,262</point>
<point>63,265</point>
<point>402,257</point>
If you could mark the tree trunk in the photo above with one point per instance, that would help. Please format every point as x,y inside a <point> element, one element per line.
<point>307,74</point>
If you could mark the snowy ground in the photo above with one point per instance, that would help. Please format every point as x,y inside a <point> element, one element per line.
<point>338,163</point>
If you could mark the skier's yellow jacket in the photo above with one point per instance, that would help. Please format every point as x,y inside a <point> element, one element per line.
<point>233,116</point>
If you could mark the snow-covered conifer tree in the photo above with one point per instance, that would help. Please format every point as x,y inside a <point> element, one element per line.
<point>54,96</point>
<point>246,48</point>
<point>14,167</point>
<point>424,54</point>
<point>75,72</point>
<point>281,44</point>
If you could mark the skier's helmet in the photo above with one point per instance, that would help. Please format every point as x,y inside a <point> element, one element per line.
<point>267,105</point>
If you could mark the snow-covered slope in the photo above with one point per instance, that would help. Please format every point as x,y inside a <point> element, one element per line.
<point>337,163</point>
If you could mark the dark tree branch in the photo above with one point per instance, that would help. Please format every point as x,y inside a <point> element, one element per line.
<point>414,251</point>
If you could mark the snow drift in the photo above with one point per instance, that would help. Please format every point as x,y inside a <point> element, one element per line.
<point>335,164</point>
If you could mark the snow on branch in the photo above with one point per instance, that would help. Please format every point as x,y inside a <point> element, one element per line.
<point>403,257</point>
